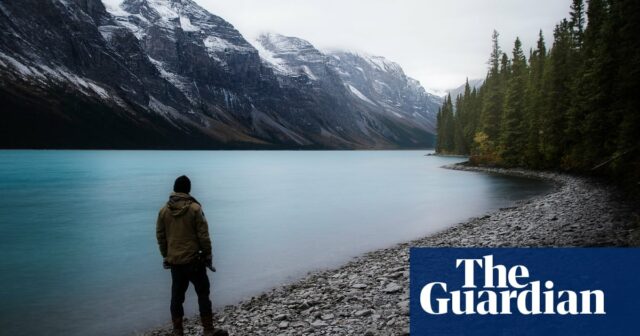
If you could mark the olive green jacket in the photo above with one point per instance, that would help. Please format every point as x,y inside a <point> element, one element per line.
<point>182,230</point>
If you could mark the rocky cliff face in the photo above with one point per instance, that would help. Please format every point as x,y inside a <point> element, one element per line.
<point>386,99</point>
<point>169,74</point>
<point>383,83</point>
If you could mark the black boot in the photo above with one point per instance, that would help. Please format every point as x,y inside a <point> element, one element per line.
<point>177,327</point>
<point>207,326</point>
<point>219,332</point>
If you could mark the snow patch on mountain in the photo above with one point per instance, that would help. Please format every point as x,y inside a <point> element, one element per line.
<point>158,106</point>
<point>377,62</point>
<point>113,7</point>
<point>291,56</point>
<point>164,8</point>
<point>285,44</point>
<point>309,73</point>
<point>290,49</point>
<point>186,25</point>
<point>270,59</point>
<point>359,94</point>
<point>45,75</point>
<point>178,81</point>
<point>215,44</point>
<point>23,69</point>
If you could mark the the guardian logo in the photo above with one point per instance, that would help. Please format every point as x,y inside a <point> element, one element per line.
<point>506,291</point>
<point>524,291</point>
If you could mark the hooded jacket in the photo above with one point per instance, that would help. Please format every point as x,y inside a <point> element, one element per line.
<point>182,230</point>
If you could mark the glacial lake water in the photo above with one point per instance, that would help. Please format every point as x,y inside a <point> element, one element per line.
<point>77,228</point>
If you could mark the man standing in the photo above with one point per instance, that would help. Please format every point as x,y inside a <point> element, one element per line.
<point>183,238</point>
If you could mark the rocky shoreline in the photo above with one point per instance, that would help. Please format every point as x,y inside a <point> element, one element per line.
<point>370,295</point>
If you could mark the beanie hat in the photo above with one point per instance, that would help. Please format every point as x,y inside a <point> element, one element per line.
<point>182,185</point>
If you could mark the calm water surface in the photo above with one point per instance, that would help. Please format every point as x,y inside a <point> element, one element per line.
<point>77,228</point>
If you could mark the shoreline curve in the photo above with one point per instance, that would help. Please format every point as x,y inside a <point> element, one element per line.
<point>370,294</point>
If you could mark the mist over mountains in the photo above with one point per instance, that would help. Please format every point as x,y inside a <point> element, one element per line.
<point>169,74</point>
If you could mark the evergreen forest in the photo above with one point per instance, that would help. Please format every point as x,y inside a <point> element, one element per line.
<point>571,107</point>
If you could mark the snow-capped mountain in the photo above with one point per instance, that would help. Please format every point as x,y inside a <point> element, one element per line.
<point>377,83</point>
<point>167,73</point>
<point>383,83</point>
<point>291,56</point>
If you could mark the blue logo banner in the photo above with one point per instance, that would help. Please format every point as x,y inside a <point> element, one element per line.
<point>524,291</point>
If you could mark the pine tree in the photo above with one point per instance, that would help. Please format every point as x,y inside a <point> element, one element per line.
<point>470,120</point>
<point>440,131</point>
<point>445,143</point>
<point>505,71</point>
<point>556,87</point>
<point>449,126</point>
<point>626,16</point>
<point>475,107</point>
<point>534,104</point>
<point>590,117</point>
<point>513,130</point>
<point>577,22</point>
<point>458,123</point>
<point>496,53</point>
<point>492,101</point>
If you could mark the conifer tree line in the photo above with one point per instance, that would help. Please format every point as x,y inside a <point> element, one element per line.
<point>574,106</point>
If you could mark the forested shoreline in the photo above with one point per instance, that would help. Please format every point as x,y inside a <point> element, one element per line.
<point>572,107</point>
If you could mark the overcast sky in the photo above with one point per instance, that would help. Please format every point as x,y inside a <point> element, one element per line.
<point>440,43</point>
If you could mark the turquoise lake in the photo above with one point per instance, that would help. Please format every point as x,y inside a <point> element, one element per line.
<point>77,228</point>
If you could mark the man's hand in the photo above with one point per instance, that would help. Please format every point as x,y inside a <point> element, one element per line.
<point>165,264</point>
<point>208,262</point>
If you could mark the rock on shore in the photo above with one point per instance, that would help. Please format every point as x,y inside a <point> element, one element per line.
<point>370,295</point>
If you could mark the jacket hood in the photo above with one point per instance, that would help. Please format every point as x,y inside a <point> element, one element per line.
<point>179,203</point>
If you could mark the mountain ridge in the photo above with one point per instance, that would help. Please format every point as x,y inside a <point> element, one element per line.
<point>169,74</point>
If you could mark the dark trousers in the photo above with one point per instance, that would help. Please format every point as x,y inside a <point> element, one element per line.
<point>181,275</point>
